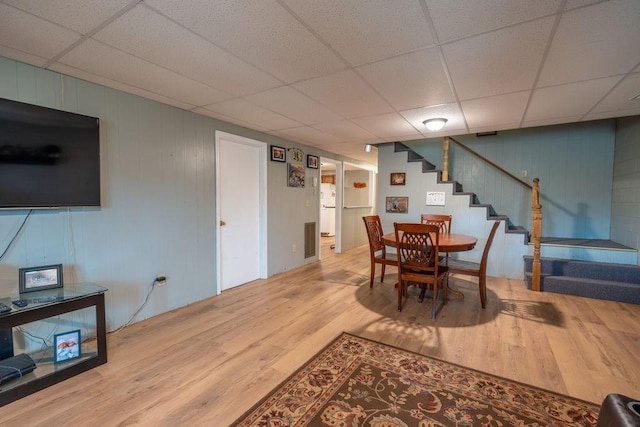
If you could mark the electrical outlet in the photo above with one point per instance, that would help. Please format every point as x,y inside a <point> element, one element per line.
<point>294,248</point>
<point>161,280</point>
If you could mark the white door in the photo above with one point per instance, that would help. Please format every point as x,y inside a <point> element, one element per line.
<point>240,207</point>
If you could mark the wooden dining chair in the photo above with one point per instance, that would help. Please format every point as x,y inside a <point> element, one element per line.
<point>377,248</point>
<point>443,221</point>
<point>478,270</point>
<point>417,247</point>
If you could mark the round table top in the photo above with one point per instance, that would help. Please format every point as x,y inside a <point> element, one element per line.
<point>447,242</point>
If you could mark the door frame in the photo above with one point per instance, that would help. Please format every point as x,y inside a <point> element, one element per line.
<point>262,214</point>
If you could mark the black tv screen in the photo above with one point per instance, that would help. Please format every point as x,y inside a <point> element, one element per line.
<point>48,158</point>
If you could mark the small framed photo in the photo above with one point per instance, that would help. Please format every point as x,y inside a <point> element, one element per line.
<point>296,175</point>
<point>278,154</point>
<point>39,278</point>
<point>312,161</point>
<point>398,178</point>
<point>397,204</point>
<point>66,346</point>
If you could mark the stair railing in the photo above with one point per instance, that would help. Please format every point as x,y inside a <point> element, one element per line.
<point>536,208</point>
<point>536,231</point>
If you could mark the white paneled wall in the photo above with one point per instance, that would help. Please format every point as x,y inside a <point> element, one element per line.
<point>158,201</point>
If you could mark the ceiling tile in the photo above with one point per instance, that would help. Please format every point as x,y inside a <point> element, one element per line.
<point>295,105</point>
<point>595,41</point>
<point>228,119</point>
<point>611,114</point>
<point>241,109</point>
<point>345,93</point>
<point>43,39</point>
<point>98,79</point>
<point>366,31</point>
<point>79,15</point>
<point>455,19</point>
<point>410,81</point>
<point>498,62</point>
<point>620,98</point>
<point>21,56</point>
<point>345,131</point>
<point>154,38</point>
<point>308,135</point>
<point>97,58</point>
<point>387,125</point>
<point>495,110</point>
<point>567,100</point>
<point>276,43</point>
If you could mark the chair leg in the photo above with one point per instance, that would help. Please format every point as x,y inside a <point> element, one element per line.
<point>400,293</point>
<point>373,273</point>
<point>434,300</point>
<point>382,275</point>
<point>483,291</point>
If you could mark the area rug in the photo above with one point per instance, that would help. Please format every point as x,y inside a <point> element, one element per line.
<point>358,382</point>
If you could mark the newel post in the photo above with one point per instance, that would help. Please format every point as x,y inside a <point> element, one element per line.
<point>445,159</point>
<point>536,225</point>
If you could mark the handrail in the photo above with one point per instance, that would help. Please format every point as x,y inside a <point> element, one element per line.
<point>481,157</point>
<point>536,208</point>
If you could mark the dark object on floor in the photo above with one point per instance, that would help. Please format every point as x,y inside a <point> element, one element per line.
<point>332,247</point>
<point>619,411</point>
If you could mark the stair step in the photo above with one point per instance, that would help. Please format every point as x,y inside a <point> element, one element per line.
<point>600,280</point>
<point>609,290</point>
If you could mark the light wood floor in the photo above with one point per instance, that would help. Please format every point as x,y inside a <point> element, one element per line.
<point>207,363</point>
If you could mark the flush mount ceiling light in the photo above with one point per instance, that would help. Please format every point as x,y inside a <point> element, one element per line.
<point>368,148</point>
<point>435,124</point>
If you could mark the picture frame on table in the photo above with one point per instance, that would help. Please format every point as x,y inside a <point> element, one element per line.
<point>278,154</point>
<point>32,279</point>
<point>67,346</point>
<point>312,161</point>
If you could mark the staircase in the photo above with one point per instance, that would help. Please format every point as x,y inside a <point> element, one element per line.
<point>474,201</point>
<point>591,268</point>
<point>601,280</point>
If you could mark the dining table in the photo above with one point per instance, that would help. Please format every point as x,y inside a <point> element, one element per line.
<point>447,242</point>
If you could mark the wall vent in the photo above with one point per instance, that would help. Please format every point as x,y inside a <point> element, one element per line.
<point>309,239</point>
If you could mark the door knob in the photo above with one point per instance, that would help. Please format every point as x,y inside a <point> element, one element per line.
<point>222,223</point>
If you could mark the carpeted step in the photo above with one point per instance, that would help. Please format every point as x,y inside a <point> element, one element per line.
<point>592,288</point>
<point>613,282</point>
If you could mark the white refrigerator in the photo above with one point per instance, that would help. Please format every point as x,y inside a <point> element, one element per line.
<point>327,209</point>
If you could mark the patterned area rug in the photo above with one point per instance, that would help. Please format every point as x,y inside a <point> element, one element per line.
<point>358,382</point>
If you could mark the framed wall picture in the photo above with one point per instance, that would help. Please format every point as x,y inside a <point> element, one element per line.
<point>296,175</point>
<point>312,161</point>
<point>66,346</point>
<point>278,154</point>
<point>397,204</point>
<point>33,279</point>
<point>398,178</point>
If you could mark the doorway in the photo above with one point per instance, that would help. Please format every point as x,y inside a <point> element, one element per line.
<point>240,210</point>
<point>330,203</point>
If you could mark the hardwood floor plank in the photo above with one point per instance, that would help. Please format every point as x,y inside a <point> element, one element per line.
<point>207,363</point>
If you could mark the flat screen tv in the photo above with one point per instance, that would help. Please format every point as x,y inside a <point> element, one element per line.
<point>48,158</point>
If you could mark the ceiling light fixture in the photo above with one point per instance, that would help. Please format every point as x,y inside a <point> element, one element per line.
<point>368,148</point>
<point>435,124</point>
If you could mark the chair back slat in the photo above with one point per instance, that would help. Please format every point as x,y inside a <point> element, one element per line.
<point>418,245</point>
<point>441,220</point>
<point>374,232</point>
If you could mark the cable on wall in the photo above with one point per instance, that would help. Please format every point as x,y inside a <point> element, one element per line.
<point>15,236</point>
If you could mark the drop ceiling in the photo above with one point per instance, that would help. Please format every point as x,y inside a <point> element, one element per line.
<point>337,74</point>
